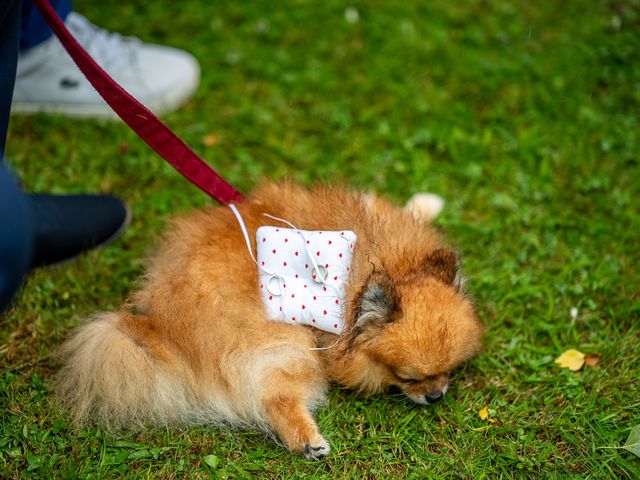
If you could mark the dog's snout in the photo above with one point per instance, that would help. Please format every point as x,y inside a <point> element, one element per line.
<point>434,397</point>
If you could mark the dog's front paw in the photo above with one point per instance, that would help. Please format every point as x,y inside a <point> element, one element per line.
<point>317,450</point>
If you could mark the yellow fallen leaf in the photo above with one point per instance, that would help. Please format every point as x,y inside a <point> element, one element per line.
<point>484,413</point>
<point>571,359</point>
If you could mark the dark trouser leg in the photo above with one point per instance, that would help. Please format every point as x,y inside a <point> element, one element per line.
<point>9,37</point>
<point>15,228</point>
<point>41,229</point>
<point>15,237</point>
<point>34,29</point>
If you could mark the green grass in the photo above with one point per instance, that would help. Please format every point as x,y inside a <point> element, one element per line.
<point>523,115</point>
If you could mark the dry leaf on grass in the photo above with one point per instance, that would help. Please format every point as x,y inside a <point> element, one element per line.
<point>484,413</point>
<point>633,442</point>
<point>592,359</point>
<point>210,140</point>
<point>574,359</point>
<point>571,359</point>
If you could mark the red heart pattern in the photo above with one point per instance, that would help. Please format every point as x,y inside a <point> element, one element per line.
<point>285,253</point>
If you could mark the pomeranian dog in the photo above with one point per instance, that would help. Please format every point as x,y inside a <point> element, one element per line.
<point>193,345</point>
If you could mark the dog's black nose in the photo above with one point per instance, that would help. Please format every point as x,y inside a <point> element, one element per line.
<point>434,397</point>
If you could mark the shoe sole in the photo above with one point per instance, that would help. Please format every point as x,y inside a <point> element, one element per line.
<point>117,234</point>
<point>168,103</point>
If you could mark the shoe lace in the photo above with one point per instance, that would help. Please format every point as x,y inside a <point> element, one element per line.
<point>108,49</point>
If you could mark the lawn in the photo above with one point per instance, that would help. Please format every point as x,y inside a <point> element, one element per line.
<point>522,115</point>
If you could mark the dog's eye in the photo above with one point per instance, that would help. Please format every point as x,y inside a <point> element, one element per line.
<point>415,381</point>
<point>410,381</point>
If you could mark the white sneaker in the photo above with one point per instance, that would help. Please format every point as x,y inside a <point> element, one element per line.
<point>48,80</point>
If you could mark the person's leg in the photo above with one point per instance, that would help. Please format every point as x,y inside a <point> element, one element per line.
<point>33,28</point>
<point>41,229</point>
<point>9,36</point>
<point>15,238</point>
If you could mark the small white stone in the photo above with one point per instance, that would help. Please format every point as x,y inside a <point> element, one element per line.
<point>616,22</point>
<point>262,26</point>
<point>351,15</point>
<point>573,312</point>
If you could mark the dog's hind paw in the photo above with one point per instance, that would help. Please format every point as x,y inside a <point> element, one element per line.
<point>318,450</point>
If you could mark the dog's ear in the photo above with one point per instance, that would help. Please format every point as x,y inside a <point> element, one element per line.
<point>377,303</point>
<point>444,265</point>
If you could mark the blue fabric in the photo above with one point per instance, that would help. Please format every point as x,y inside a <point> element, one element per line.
<point>34,29</point>
<point>19,32</point>
<point>16,237</point>
<point>15,220</point>
<point>9,36</point>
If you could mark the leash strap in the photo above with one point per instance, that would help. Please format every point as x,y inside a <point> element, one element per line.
<point>140,119</point>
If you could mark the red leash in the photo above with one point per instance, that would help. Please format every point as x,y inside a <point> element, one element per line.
<point>140,119</point>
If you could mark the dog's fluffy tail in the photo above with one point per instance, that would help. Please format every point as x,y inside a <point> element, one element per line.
<point>117,373</point>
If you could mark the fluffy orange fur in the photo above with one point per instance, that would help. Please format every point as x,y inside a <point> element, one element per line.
<point>193,344</point>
